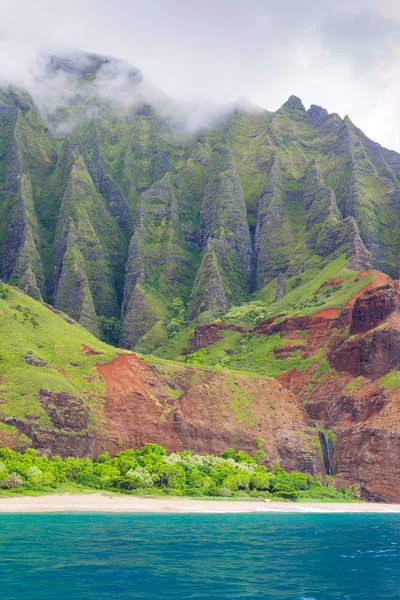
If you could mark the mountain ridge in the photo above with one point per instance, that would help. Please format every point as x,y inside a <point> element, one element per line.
<point>238,259</point>
<point>346,185</point>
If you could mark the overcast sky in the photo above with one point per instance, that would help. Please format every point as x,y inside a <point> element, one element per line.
<point>341,54</point>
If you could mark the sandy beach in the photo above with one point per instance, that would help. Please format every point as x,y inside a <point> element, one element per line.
<point>129,504</point>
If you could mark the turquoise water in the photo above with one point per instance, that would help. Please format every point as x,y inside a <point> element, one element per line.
<point>209,556</point>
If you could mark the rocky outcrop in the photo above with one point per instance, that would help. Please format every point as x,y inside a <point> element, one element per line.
<point>293,103</point>
<point>72,293</point>
<point>361,347</point>
<point>323,215</point>
<point>87,242</point>
<point>22,263</point>
<point>224,234</point>
<point>369,455</point>
<point>158,257</point>
<point>349,237</point>
<point>206,335</point>
<point>373,307</point>
<point>359,176</point>
<point>65,410</point>
<point>100,172</point>
<point>208,294</point>
<point>270,248</point>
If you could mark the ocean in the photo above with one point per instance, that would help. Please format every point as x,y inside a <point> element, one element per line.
<point>199,556</point>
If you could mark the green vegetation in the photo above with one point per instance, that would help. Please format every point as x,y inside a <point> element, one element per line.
<point>44,350</point>
<point>391,380</point>
<point>125,215</point>
<point>250,354</point>
<point>110,330</point>
<point>353,385</point>
<point>306,295</point>
<point>3,292</point>
<point>176,323</point>
<point>150,470</point>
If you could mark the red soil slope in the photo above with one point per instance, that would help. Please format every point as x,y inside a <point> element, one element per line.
<point>205,411</point>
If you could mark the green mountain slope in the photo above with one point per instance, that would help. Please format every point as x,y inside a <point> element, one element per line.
<point>124,213</point>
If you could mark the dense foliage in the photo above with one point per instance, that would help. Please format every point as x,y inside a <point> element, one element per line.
<point>151,470</point>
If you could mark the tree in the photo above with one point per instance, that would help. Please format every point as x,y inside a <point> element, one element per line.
<point>3,292</point>
<point>12,481</point>
<point>176,323</point>
<point>110,330</point>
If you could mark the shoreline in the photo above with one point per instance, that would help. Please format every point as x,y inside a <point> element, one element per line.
<point>101,503</point>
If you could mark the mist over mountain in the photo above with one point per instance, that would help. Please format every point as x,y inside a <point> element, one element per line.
<point>59,81</point>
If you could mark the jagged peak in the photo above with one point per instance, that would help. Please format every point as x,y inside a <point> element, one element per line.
<point>316,111</point>
<point>86,65</point>
<point>223,150</point>
<point>294,103</point>
<point>348,121</point>
<point>208,293</point>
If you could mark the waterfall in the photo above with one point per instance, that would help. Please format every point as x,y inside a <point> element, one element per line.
<point>327,452</point>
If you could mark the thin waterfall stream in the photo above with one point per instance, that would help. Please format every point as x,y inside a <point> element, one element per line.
<point>327,451</point>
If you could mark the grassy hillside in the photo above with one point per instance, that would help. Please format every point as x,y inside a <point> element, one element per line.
<point>40,349</point>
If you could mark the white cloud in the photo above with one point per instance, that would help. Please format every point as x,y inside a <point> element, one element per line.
<point>342,54</point>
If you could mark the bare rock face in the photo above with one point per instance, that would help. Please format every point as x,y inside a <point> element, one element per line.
<point>370,456</point>
<point>65,410</point>
<point>373,347</point>
<point>206,335</point>
<point>349,236</point>
<point>374,307</point>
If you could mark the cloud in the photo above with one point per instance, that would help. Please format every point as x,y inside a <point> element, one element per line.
<point>342,54</point>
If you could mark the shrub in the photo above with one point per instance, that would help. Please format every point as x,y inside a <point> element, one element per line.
<point>228,453</point>
<point>3,292</point>
<point>177,322</point>
<point>260,480</point>
<point>241,456</point>
<point>34,475</point>
<point>142,477</point>
<point>284,490</point>
<point>259,455</point>
<point>12,481</point>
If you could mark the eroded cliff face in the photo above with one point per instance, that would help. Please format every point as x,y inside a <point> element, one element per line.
<point>205,411</point>
<point>355,389</point>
